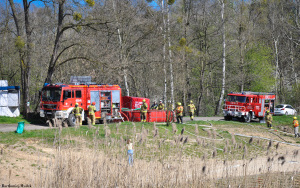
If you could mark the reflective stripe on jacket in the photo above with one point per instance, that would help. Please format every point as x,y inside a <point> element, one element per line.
<point>269,118</point>
<point>77,110</point>
<point>179,111</point>
<point>144,107</point>
<point>192,107</point>
<point>92,109</point>
<point>296,123</point>
<point>161,106</point>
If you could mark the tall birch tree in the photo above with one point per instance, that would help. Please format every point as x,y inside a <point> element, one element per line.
<point>222,3</point>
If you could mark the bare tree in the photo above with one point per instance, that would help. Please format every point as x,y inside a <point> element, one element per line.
<point>222,3</point>
<point>24,51</point>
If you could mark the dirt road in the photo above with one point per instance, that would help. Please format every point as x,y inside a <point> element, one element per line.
<point>185,119</point>
<point>13,127</point>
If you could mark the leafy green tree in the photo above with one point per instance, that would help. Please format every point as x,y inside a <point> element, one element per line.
<point>260,69</point>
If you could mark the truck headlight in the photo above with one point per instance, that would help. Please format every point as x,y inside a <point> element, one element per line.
<point>42,113</point>
<point>58,114</point>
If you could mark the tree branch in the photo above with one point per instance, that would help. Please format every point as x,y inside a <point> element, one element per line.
<point>65,50</point>
<point>73,58</point>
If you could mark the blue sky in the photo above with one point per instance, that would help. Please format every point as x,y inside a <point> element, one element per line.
<point>36,3</point>
<point>40,4</point>
<point>154,5</point>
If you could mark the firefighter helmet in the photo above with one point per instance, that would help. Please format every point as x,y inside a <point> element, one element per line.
<point>295,117</point>
<point>144,100</point>
<point>93,103</point>
<point>191,101</point>
<point>179,103</point>
<point>268,111</point>
<point>160,100</point>
<point>76,104</point>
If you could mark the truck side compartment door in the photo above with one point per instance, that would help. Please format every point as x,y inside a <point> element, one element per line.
<point>95,97</point>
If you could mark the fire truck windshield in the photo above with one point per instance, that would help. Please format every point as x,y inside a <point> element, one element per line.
<point>51,94</point>
<point>232,98</point>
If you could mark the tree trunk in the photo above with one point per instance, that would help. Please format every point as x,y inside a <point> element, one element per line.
<point>224,59</point>
<point>24,54</point>
<point>187,90</point>
<point>58,36</point>
<point>277,65</point>
<point>203,62</point>
<point>28,55</point>
<point>292,61</point>
<point>164,51</point>
<point>121,55</point>
<point>170,59</point>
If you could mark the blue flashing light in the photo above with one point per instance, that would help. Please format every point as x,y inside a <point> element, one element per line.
<point>10,88</point>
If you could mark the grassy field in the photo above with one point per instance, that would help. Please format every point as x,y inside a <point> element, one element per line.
<point>11,120</point>
<point>195,154</point>
<point>32,119</point>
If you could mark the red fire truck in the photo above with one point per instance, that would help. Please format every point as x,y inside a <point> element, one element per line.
<point>248,105</point>
<point>58,100</point>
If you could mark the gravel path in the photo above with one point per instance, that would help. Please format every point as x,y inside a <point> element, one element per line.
<point>13,127</point>
<point>185,119</point>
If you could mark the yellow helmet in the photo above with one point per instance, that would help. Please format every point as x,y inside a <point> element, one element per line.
<point>295,117</point>
<point>268,111</point>
<point>179,103</point>
<point>191,101</point>
<point>144,100</point>
<point>76,104</point>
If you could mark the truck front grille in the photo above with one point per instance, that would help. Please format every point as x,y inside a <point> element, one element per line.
<point>50,106</point>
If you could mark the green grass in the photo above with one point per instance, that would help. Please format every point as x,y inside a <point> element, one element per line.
<point>277,121</point>
<point>32,119</point>
<point>283,120</point>
<point>148,149</point>
<point>11,120</point>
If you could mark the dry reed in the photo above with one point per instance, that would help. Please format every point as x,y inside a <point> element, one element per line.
<point>174,128</point>
<point>160,163</point>
<point>196,129</point>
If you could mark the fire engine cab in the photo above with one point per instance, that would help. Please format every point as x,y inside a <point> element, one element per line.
<point>58,100</point>
<point>248,105</point>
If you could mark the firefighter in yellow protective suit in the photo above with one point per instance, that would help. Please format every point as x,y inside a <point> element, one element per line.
<point>144,108</point>
<point>192,109</point>
<point>77,111</point>
<point>154,106</point>
<point>269,119</point>
<point>92,110</point>
<point>179,112</point>
<point>161,105</point>
<point>296,127</point>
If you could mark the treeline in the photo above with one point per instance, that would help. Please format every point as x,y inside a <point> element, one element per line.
<point>172,50</point>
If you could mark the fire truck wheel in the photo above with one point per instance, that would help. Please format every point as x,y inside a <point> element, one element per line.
<point>227,118</point>
<point>71,120</point>
<point>247,118</point>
